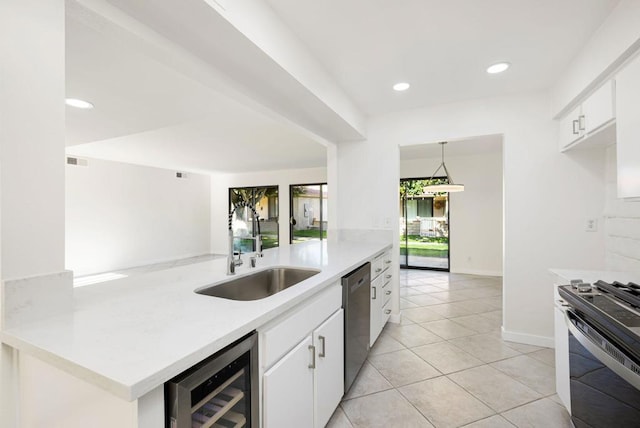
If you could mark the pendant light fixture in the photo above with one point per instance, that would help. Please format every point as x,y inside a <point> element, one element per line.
<point>449,185</point>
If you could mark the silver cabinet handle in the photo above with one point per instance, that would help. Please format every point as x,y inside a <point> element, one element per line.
<point>387,261</point>
<point>313,357</point>
<point>387,311</point>
<point>581,125</point>
<point>388,292</point>
<point>375,294</point>
<point>576,124</point>
<point>322,353</point>
<point>388,276</point>
<point>378,270</point>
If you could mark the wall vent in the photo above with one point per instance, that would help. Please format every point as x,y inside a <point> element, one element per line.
<point>76,161</point>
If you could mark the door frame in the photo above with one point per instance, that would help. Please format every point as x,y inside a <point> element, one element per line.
<point>291,186</point>
<point>406,256</point>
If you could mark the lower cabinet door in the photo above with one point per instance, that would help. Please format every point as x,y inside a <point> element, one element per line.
<point>288,389</point>
<point>377,299</point>
<point>329,374</point>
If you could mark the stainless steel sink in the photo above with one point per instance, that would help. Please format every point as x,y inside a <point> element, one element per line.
<point>258,285</point>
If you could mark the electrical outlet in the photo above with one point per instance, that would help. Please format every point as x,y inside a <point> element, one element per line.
<point>591,225</point>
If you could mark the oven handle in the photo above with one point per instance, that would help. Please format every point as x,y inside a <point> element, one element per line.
<point>603,354</point>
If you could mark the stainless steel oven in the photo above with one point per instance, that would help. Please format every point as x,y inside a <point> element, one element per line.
<point>604,362</point>
<point>221,391</point>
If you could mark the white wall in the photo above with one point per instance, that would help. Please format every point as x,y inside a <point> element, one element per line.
<point>32,137</point>
<point>121,215</point>
<point>622,223</point>
<point>547,195</point>
<point>220,184</point>
<point>475,214</point>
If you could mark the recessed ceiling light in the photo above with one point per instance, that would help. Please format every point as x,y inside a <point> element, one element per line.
<point>402,86</point>
<point>498,67</point>
<point>74,102</point>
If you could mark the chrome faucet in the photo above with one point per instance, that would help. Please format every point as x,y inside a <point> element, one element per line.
<point>232,262</point>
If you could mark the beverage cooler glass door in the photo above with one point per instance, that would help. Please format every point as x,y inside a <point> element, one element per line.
<point>221,391</point>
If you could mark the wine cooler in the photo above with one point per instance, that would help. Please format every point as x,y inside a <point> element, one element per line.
<point>219,392</point>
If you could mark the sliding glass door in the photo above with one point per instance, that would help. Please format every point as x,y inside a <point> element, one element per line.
<point>424,226</point>
<point>244,222</point>
<point>308,213</point>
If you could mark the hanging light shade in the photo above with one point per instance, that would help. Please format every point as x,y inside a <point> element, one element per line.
<point>449,185</point>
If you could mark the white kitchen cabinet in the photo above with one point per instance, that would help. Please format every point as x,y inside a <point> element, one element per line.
<point>591,123</point>
<point>376,309</point>
<point>598,110</point>
<point>570,129</point>
<point>302,355</point>
<point>380,294</point>
<point>288,389</point>
<point>562,358</point>
<point>328,380</point>
<point>628,129</point>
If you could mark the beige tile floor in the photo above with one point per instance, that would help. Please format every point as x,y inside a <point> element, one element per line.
<point>446,365</point>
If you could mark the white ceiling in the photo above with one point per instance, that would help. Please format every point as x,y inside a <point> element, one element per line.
<point>441,47</point>
<point>152,109</point>
<point>150,114</point>
<point>459,147</point>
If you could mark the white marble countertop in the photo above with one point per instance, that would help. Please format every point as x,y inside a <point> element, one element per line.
<point>592,276</point>
<point>131,335</point>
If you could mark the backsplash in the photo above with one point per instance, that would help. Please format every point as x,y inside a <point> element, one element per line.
<point>622,223</point>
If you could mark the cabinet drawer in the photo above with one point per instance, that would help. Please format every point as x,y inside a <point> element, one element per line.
<point>386,292</point>
<point>292,328</point>
<point>377,266</point>
<point>387,275</point>
<point>386,313</point>
<point>387,260</point>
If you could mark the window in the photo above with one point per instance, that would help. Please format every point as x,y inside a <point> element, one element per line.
<point>245,224</point>
<point>308,212</point>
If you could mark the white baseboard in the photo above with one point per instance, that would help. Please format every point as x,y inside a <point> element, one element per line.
<point>528,339</point>
<point>478,272</point>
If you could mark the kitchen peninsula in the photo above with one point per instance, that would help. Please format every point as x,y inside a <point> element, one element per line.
<point>129,336</point>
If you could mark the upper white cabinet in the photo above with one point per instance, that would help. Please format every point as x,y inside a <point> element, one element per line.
<point>591,123</point>
<point>570,129</point>
<point>628,129</point>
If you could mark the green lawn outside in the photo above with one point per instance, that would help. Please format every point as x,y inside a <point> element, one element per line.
<point>309,233</point>
<point>423,246</point>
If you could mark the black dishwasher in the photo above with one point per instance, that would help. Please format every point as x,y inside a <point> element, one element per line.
<point>221,391</point>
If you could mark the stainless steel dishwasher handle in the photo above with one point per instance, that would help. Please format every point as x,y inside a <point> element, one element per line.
<point>620,365</point>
